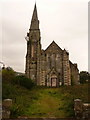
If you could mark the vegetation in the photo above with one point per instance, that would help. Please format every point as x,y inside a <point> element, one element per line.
<point>84,77</point>
<point>23,81</point>
<point>32,101</point>
<point>10,76</point>
<point>44,102</point>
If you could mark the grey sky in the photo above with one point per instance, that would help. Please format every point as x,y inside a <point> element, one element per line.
<point>66,22</point>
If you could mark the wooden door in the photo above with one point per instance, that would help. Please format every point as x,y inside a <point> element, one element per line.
<point>53,81</point>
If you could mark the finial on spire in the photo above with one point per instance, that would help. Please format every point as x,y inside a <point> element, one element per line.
<point>35,2</point>
<point>35,13</point>
<point>35,5</point>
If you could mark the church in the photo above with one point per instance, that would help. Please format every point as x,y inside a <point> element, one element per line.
<point>50,67</point>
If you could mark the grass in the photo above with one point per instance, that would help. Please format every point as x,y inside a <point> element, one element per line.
<point>44,102</point>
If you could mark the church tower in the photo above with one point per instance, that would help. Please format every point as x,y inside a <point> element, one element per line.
<point>33,48</point>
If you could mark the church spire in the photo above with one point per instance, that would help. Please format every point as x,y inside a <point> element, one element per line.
<point>35,17</point>
<point>34,21</point>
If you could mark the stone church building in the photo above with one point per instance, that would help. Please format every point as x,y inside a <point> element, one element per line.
<point>50,67</point>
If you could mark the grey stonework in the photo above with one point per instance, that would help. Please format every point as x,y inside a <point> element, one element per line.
<point>6,105</point>
<point>82,110</point>
<point>50,67</point>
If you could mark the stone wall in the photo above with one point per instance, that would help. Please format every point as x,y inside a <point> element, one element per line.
<point>53,64</point>
<point>6,104</point>
<point>66,68</point>
<point>82,110</point>
<point>74,73</point>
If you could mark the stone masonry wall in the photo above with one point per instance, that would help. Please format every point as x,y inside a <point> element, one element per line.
<point>74,73</point>
<point>66,68</point>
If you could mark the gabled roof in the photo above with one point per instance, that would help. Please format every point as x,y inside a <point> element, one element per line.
<point>53,45</point>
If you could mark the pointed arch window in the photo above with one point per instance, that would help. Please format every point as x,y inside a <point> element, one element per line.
<point>32,51</point>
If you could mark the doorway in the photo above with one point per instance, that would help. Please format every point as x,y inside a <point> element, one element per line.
<point>53,81</point>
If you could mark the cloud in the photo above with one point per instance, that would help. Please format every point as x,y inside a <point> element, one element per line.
<point>65,22</point>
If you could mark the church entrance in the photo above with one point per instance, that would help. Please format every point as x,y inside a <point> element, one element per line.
<point>53,81</point>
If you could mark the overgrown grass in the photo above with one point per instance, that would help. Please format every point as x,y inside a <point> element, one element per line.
<point>44,102</point>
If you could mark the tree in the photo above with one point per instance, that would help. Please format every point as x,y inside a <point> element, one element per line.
<point>84,77</point>
<point>7,74</point>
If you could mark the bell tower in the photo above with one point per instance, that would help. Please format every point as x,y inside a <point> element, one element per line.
<point>33,47</point>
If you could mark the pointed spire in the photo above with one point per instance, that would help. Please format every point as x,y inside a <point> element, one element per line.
<point>35,17</point>
<point>34,21</point>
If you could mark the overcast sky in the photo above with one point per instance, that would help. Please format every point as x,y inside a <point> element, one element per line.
<point>64,21</point>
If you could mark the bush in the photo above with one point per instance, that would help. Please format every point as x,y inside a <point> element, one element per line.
<point>8,91</point>
<point>84,77</point>
<point>23,81</point>
<point>7,75</point>
<point>69,108</point>
<point>16,110</point>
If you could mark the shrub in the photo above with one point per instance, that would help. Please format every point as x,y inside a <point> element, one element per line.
<point>84,77</point>
<point>7,75</point>
<point>8,90</point>
<point>16,110</point>
<point>23,81</point>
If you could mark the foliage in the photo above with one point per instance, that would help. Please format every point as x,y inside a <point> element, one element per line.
<point>8,91</point>
<point>84,77</point>
<point>16,110</point>
<point>7,74</point>
<point>10,76</point>
<point>23,81</point>
<point>45,102</point>
<point>41,101</point>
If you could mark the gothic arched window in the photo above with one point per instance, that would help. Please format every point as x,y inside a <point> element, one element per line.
<point>32,51</point>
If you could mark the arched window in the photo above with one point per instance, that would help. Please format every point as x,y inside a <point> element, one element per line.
<point>53,60</point>
<point>32,51</point>
<point>48,61</point>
